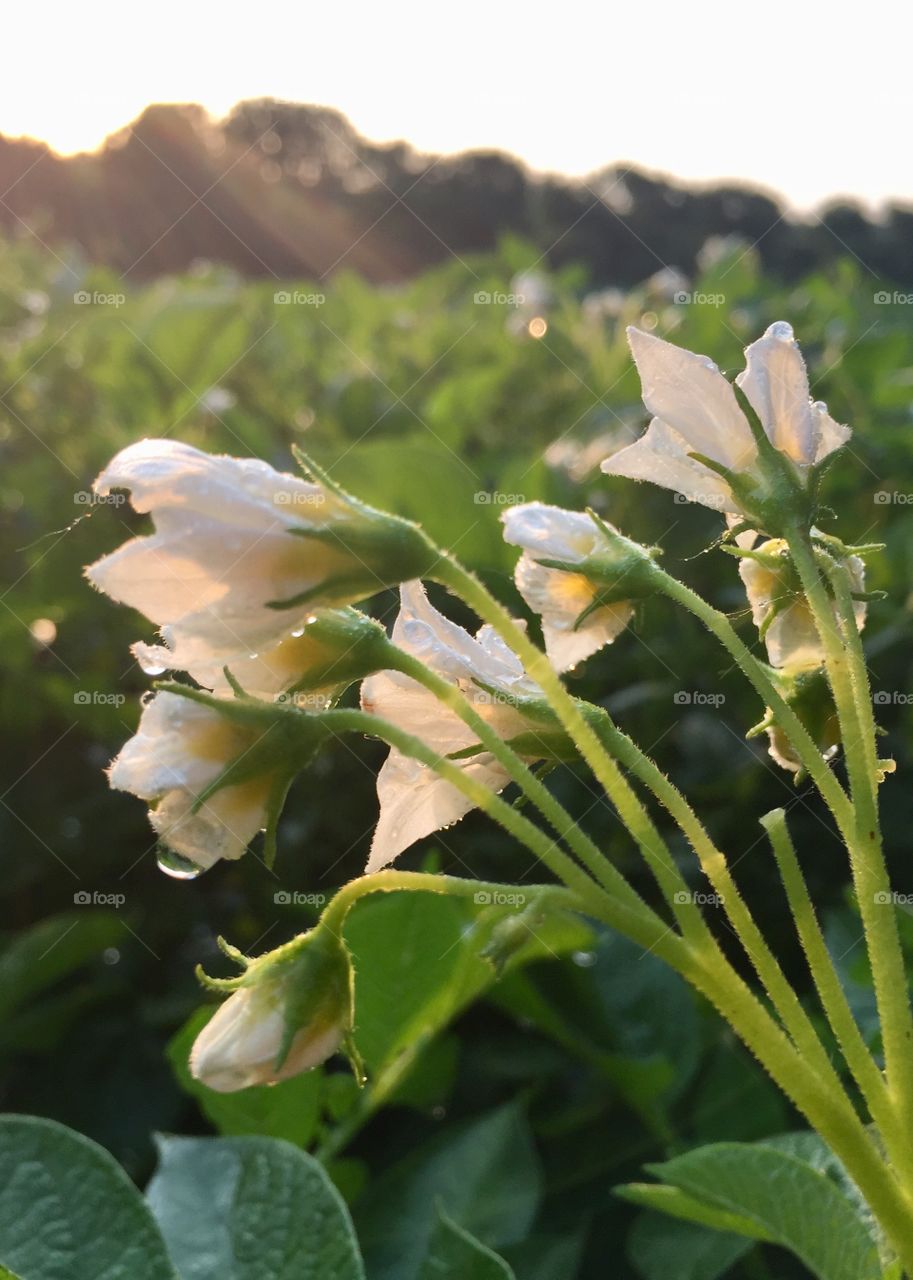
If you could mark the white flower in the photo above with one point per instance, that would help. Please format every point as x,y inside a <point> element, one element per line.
<point>227,548</point>
<point>414,800</point>
<point>242,1042</point>
<point>780,610</point>
<point>561,597</point>
<point>180,748</point>
<point>696,411</point>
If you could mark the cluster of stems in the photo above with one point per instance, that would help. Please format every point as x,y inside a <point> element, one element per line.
<point>773,1023</point>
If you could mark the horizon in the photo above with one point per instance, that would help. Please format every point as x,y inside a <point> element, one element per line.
<point>663,93</point>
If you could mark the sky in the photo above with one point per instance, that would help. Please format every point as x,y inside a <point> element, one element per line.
<point>808,101</point>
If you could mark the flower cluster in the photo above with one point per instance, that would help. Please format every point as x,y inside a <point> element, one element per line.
<point>251,576</point>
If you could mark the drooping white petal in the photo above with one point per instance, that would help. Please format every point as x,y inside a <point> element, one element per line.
<point>560,596</point>
<point>776,382</point>
<point>179,749</point>
<point>415,802</point>
<point>661,456</point>
<point>689,393</point>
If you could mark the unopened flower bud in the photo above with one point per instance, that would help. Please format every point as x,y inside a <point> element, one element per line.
<point>291,1010</point>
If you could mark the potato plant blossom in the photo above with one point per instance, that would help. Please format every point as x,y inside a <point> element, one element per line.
<point>700,442</point>
<point>241,554</point>
<point>175,759</point>
<point>577,617</point>
<point>414,801</point>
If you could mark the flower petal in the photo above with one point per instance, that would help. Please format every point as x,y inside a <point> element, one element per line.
<point>776,382</point>
<point>661,456</point>
<point>415,801</point>
<point>688,392</point>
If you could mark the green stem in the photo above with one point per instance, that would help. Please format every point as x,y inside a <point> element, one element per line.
<point>391,880</point>
<point>642,924</point>
<point>532,787</point>
<point>715,867</point>
<point>870,876</point>
<point>832,1117</point>
<point>833,998</point>
<point>806,749</point>
<point>451,574</point>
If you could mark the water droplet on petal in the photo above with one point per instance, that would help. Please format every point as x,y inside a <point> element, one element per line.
<point>147,698</point>
<point>299,631</point>
<point>152,668</point>
<point>253,656</point>
<point>781,329</point>
<point>177,866</point>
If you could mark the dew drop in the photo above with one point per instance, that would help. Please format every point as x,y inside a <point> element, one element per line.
<point>152,668</point>
<point>253,656</point>
<point>781,329</point>
<point>584,959</point>
<point>297,633</point>
<point>147,698</point>
<point>177,866</point>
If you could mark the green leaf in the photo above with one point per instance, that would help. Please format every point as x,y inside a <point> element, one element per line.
<point>454,1254</point>
<point>69,1212</point>
<point>417,966</point>
<point>486,1177</point>
<point>251,1209</point>
<point>661,1249</point>
<point>289,1110</point>
<point>795,1202</point>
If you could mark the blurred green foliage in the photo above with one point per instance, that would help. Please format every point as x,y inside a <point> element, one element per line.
<point>588,1059</point>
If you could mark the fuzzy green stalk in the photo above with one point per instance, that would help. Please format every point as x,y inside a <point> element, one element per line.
<point>714,865</point>
<point>863,1067</point>
<point>642,924</point>
<point>633,816</point>
<point>870,875</point>
<point>806,749</point>
<point>532,787</point>
<point>833,1117</point>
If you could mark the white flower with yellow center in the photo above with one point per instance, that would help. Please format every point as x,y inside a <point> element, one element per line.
<point>414,800</point>
<point>696,412</point>
<point>179,750</point>
<point>574,624</point>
